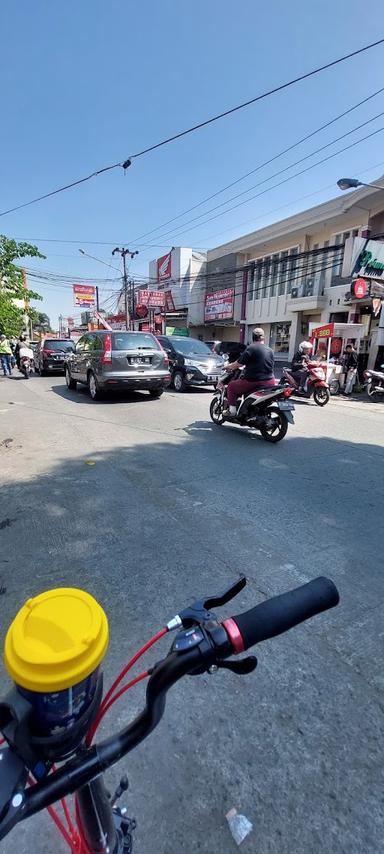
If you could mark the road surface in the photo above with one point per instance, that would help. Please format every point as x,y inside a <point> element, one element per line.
<point>173,507</point>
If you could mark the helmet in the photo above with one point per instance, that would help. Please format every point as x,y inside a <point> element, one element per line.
<point>23,337</point>
<point>305,345</point>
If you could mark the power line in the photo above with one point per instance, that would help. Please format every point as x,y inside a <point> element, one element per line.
<point>261,165</point>
<point>127,162</point>
<point>275,174</point>
<point>280,183</point>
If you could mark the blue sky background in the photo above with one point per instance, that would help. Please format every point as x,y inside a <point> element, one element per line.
<point>85,84</point>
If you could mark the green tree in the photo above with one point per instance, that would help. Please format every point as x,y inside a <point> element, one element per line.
<point>12,285</point>
<point>41,322</point>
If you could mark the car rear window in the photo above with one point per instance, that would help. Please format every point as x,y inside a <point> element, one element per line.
<point>135,341</point>
<point>56,344</point>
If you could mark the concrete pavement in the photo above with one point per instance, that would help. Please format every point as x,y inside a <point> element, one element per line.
<point>174,507</point>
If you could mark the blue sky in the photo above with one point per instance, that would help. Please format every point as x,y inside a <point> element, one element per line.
<point>85,84</point>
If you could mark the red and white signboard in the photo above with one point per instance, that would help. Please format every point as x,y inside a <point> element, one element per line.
<point>84,296</point>
<point>164,266</point>
<point>325,331</point>
<point>117,321</point>
<point>360,288</point>
<point>152,299</point>
<point>219,305</point>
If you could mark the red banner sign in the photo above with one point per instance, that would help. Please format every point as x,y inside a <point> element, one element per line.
<point>360,288</point>
<point>84,295</point>
<point>164,266</point>
<point>325,331</point>
<point>117,321</point>
<point>219,305</point>
<point>152,299</point>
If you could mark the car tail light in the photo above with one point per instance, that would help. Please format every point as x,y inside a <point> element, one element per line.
<point>107,354</point>
<point>287,392</point>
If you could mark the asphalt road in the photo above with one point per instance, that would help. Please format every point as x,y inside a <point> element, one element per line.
<point>172,508</point>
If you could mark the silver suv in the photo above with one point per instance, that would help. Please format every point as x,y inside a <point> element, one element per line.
<point>112,361</point>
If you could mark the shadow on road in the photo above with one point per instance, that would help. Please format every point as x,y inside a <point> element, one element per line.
<point>148,527</point>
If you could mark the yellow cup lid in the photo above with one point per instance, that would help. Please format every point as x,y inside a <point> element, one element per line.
<point>56,640</point>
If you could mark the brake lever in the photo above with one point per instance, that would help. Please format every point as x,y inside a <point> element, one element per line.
<point>241,667</point>
<point>199,612</point>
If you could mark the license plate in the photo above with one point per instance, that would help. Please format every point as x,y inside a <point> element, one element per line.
<point>140,360</point>
<point>285,404</point>
<point>213,378</point>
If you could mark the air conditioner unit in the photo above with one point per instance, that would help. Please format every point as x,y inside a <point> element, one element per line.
<point>294,293</point>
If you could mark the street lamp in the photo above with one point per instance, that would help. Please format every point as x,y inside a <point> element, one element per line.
<point>353,183</point>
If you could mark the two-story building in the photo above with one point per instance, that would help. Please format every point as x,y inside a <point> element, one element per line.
<point>287,276</point>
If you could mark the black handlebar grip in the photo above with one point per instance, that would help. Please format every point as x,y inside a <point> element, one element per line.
<point>283,612</point>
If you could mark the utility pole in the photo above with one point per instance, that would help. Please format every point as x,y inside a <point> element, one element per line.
<point>124,252</point>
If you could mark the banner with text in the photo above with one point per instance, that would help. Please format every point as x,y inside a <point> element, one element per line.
<point>219,305</point>
<point>153,299</point>
<point>84,296</point>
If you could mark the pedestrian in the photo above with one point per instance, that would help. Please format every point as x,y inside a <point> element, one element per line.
<point>350,368</point>
<point>5,356</point>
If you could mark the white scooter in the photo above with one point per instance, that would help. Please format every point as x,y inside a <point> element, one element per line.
<point>26,361</point>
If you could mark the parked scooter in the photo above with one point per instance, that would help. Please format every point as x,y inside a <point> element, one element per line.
<point>374,382</point>
<point>267,410</point>
<point>316,384</point>
<point>26,361</point>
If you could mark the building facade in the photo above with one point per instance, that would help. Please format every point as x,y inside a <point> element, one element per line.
<point>288,278</point>
<point>181,274</point>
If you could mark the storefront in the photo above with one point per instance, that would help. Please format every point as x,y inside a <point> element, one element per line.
<point>330,341</point>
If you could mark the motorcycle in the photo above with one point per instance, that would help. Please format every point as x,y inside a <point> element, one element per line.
<point>316,384</point>
<point>266,409</point>
<point>374,382</point>
<point>26,362</point>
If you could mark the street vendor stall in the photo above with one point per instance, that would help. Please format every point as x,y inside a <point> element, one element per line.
<point>330,342</point>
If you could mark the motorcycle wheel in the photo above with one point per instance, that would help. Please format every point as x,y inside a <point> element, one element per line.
<point>334,387</point>
<point>321,395</point>
<point>277,427</point>
<point>216,411</point>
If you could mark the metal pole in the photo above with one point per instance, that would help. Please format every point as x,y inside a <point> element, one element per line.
<point>123,253</point>
<point>97,299</point>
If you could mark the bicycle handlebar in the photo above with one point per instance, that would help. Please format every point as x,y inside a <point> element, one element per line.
<point>212,643</point>
<point>281,613</point>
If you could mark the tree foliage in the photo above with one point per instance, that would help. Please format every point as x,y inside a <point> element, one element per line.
<point>12,317</point>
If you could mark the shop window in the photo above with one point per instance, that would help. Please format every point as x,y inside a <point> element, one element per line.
<point>273,274</point>
<point>279,338</point>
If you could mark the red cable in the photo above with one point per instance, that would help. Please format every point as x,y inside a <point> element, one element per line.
<point>132,661</point>
<point>104,708</point>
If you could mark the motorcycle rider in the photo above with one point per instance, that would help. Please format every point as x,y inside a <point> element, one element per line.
<point>259,364</point>
<point>299,370</point>
<point>22,342</point>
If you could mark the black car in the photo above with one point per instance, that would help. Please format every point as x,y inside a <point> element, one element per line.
<point>229,350</point>
<point>51,353</point>
<point>191,362</point>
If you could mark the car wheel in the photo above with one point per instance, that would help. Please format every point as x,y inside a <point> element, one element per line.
<point>156,392</point>
<point>178,381</point>
<point>72,384</point>
<point>93,387</point>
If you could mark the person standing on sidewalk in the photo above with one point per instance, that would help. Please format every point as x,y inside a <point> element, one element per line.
<point>5,356</point>
<point>259,362</point>
<point>350,367</point>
